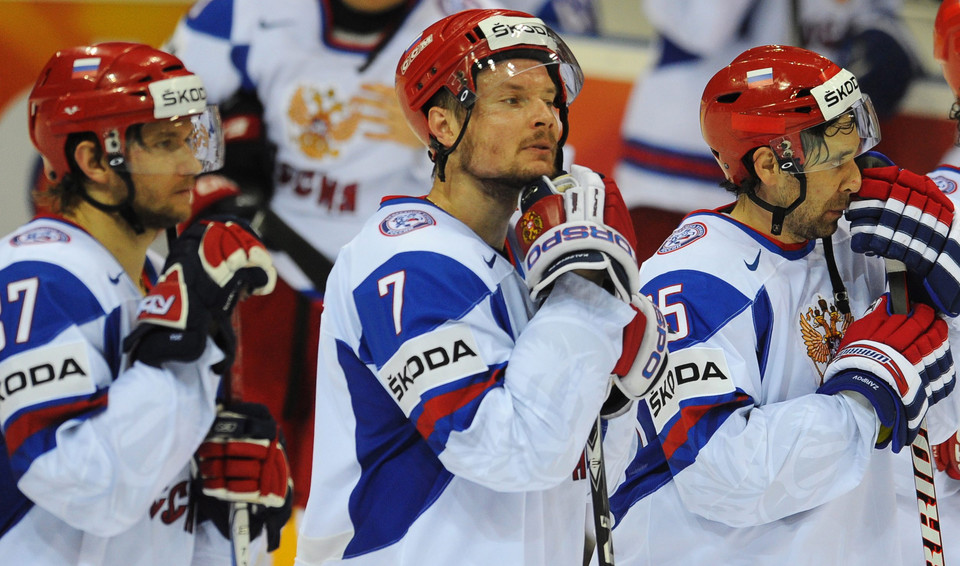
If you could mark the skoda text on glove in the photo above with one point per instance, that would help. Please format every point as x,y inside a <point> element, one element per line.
<point>693,372</point>
<point>575,232</point>
<point>428,361</point>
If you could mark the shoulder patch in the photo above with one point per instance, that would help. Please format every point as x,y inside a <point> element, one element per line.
<point>39,236</point>
<point>399,223</point>
<point>947,185</point>
<point>683,236</point>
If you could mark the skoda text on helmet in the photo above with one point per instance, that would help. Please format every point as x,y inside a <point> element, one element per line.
<point>105,89</point>
<point>451,52</point>
<point>773,96</point>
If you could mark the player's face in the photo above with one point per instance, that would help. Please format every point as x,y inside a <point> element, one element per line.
<point>512,136</point>
<point>164,170</point>
<point>828,190</point>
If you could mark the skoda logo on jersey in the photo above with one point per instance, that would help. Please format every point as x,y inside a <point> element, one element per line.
<point>399,223</point>
<point>683,236</point>
<point>39,236</point>
<point>947,186</point>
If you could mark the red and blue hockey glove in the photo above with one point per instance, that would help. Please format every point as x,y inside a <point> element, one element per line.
<point>209,268</point>
<point>900,363</point>
<point>577,221</point>
<point>900,215</point>
<point>243,460</point>
<point>947,456</point>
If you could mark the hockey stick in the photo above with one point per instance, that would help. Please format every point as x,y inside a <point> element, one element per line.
<point>239,518</point>
<point>603,524</point>
<point>920,449</point>
<point>240,511</point>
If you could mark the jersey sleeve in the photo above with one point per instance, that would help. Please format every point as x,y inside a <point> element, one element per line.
<point>697,26</point>
<point>213,41</point>
<point>502,405</point>
<point>87,440</point>
<point>734,458</point>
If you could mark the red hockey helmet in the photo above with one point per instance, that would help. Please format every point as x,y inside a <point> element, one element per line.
<point>451,52</point>
<point>946,42</point>
<point>768,96</point>
<point>106,88</point>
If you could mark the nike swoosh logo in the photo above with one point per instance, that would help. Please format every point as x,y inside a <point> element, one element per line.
<point>756,262</point>
<point>491,261</point>
<point>276,24</point>
<point>115,279</point>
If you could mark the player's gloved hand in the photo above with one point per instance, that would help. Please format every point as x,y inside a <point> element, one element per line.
<point>243,460</point>
<point>577,221</point>
<point>208,269</point>
<point>900,215</point>
<point>901,363</point>
<point>947,456</point>
<point>645,352</point>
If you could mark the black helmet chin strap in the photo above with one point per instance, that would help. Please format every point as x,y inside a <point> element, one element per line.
<point>780,212</point>
<point>441,152</point>
<point>125,208</point>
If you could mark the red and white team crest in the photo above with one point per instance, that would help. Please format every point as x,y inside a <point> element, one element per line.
<point>822,326</point>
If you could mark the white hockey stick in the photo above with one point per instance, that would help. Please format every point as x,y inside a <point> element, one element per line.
<point>602,522</point>
<point>920,450</point>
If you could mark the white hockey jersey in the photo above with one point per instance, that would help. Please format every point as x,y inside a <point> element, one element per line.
<point>450,417</point>
<point>95,467</point>
<point>665,162</point>
<point>742,462</point>
<point>329,175</point>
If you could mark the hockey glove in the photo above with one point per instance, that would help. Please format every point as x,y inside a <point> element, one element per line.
<point>645,351</point>
<point>208,269</point>
<point>577,221</point>
<point>947,456</point>
<point>243,460</point>
<point>901,364</point>
<point>900,215</point>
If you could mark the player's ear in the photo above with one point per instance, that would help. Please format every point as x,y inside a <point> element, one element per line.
<point>766,166</point>
<point>443,125</point>
<point>91,161</point>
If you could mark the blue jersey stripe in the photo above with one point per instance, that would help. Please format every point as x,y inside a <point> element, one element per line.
<point>400,474</point>
<point>216,19</point>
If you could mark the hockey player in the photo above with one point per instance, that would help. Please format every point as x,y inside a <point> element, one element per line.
<point>772,439</point>
<point>664,170</point>
<point>99,431</point>
<point>453,409</point>
<point>311,118</point>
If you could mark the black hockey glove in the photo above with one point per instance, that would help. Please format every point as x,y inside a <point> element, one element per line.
<point>209,268</point>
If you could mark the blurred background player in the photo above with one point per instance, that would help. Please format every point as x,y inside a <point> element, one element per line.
<point>99,431</point>
<point>776,445</point>
<point>451,408</point>
<point>665,170</point>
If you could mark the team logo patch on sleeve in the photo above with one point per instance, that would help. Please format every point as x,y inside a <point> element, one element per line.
<point>399,223</point>
<point>39,236</point>
<point>947,186</point>
<point>693,373</point>
<point>39,376</point>
<point>428,361</point>
<point>683,236</point>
